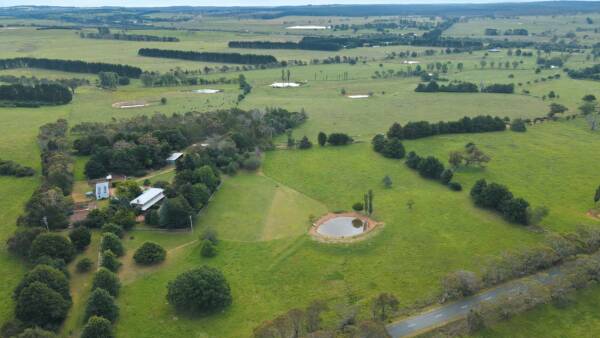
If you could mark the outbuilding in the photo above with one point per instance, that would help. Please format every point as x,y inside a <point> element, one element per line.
<point>102,190</point>
<point>148,199</point>
<point>174,157</point>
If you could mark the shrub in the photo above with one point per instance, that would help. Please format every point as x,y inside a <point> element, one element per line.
<point>459,284</point>
<point>208,249</point>
<point>252,163</point>
<point>515,210</point>
<point>84,265</point>
<point>97,327</point>
<point>80,237</point>
<point>39,305</point>
<point>107,280</point>
<point>112,242</point>
<point>52,245</point>
<point>109,260</point>
<point>211,235</point>
<point>101,304</point>
<point>125,218</point>
<point>358,206</point>
<point>518,125</point>
<point>201,290</point>
<point>322,139</point>
<point>57,263</point>
<point>446,176</point>
<point>455,186</point>
<point>378,142</point>
<point>149,253</point>
<point>113,229</point>
<point>305,143</point>
<point>51,277</point>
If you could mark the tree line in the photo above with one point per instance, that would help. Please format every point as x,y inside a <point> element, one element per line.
<point>72,83</point>
<point>133,146</point>
<point>416,130</point>
<point>497,197</point>
<point>250,59</point>
<point>590,73</point>
<point>306,43</point>
<point>74,66</point>
<point>128,37</point>
<point>36,95</point>
<point>432,168</point>
<point>179,78</point>
<point>465,87</point>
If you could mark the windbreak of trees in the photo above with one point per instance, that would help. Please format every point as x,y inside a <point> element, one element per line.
<point>128,37</point>
<point>416,130</point>
<point>36,95</point>
<point>307,43</point>
<point>464,87</point>
<point>72,83</point>
<point>135,145</point>
<point>74,66</point>
<point>431,38</point>
<point>249,59</point>
<point>179,78</point>
<point>590,73</point>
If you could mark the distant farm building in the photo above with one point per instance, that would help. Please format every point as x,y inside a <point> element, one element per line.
<point>148,199</point>
<point>174,157</point>
<point>102,190</point>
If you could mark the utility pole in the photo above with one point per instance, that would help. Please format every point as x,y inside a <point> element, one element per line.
<point>191,224</point>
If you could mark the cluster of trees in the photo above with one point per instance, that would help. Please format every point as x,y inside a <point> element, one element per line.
<point>465,87</point>
<point>416,130</point>
<point>497,197</point>
<point>550,62</point>
<point>432,168</point>
<point>308,322</point>
<point>471,155</point>
<point>132,146</point>
<point>453,87</point>
<point>591,73</point>
<point>334,139</point>
<point>50,206</point>
<point>72,83</point>
<point>245,88</point>
<point>179,78</point>
<point>307,43</point>
<point>11,168</point>
<point>74,66</point>
<point>381,26</point>
<point>388,146</point>
<point>250,59</point>
<point>111,80</point>
<point>35,96</point>
<point>510,31</point>
<point>127,37</point>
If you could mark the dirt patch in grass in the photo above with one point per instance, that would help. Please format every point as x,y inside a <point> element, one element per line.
<point>134,104</point>
<point>369,224</point>
<point>594,213</point>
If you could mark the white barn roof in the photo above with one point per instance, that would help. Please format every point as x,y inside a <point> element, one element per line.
<point>149,198</point>
<point>174,157</point>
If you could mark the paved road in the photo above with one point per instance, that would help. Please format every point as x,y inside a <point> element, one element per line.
<point>452,311</point>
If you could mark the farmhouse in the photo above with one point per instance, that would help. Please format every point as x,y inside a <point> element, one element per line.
<point>102,190</point>
<point>148,199</point>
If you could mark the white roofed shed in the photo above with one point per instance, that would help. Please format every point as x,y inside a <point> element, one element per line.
<point>148,198</point>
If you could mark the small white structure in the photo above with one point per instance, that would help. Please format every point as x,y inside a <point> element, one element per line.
<point>410,62</point>
<point>174,157</point>
<point>148,199</point>
<point>207,91</point>
<point>285,85</point>
<point>361,96</point>
<point>102,190</point>
<point>494,50</point>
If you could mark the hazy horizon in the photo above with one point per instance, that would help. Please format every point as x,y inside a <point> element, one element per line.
<point>161,3</point>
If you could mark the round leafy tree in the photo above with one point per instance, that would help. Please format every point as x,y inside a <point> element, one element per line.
<point>107,280</point>
<point>80,237</point>
<point>149,253</point>
<point>112,242</point>
<point>84,265</point>
<point>113,229</point>
<point>201,290</point>
<point>109,260</point>
<point>208,249</point>
<point>97,327</point>
<point>52,245</point>
<point>41,306</point>
<point>51,277</point>
<point>102,304</point>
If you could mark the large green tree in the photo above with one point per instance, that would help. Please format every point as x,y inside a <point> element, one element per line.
<point>201,290</point>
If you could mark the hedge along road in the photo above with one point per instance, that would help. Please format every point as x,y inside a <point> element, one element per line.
<point>436,317</point>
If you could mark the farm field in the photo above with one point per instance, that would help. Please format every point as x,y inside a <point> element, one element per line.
<point>262,217</point>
